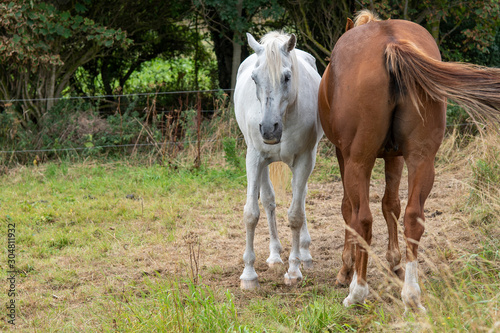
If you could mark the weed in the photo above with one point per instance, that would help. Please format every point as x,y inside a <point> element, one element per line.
<point>193,243</point>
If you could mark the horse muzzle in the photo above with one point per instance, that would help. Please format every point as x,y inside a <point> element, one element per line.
<point>271,133</point>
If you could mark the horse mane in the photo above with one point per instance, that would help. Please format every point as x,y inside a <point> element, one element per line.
<point>365,16</point>
<point>273,42</point>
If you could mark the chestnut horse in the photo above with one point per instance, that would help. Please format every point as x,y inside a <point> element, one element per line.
<point>383,95</point>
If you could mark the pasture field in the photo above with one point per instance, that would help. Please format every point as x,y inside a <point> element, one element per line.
<point>134,246</point>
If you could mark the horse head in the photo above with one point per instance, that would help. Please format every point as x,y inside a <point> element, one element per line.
<point>275,78</point>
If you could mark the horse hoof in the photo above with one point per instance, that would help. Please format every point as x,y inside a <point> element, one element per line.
<point>418,309</point>
<point>274,263</point>
<point>307,264</point>
<point>275,266</point>
<point>347,302</point>
<point>292,281</point>
<point>343,280</point>
<point>249,284</point>
<point>339,284</point>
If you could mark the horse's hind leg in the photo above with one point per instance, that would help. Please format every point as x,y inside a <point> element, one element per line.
<point>267,198</point>
<point>357,183</point>
<point>421,143</point>
<point>391,208</point>
<point>344,276</point>
<point>297,218</point>
<point>251,212</point>
<point>420,180</point>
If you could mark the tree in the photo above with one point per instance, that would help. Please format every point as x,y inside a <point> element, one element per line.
<point>227,21</point>
<point>319,24</point>
<point>154,27</point>
<point>460,27</point>
<point>41,46</point>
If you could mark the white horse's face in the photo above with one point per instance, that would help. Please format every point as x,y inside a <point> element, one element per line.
<point>274,86</point>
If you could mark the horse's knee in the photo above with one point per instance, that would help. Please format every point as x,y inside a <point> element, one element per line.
<point>269,203</point>
<point>296,218</point>
<point>251,215</point>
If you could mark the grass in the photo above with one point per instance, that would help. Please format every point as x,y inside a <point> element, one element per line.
<point>103,247</point>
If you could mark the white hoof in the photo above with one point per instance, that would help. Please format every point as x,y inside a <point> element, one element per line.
<point>348,302</point>
<point>411,290</point>
<point>249,284</point>
<point>274,262</point>
<point>357,293</point>
<point>307,264</point>
<point>419,309</point>
<point>292,279</point>
<point>411,297</point>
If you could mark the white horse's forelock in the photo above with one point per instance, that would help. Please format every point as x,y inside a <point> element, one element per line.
<point>273,42</point>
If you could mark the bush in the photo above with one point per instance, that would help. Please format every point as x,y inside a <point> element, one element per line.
<point>70,127</point>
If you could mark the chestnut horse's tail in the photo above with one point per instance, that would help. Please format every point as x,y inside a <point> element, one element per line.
<point>280,176</point>
<point>476,88</point>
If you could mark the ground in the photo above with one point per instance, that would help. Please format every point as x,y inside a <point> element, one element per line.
<point>222,239</point>
<point>203,235</point>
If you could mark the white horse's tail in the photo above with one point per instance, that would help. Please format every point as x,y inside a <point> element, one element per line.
<point>280,177</point>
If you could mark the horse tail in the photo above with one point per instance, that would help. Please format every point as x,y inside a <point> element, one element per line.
<point>280,176</point>
<point>365,16</point>
<point>475,88</point>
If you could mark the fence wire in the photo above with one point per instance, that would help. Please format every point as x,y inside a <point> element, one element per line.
<point>113,96</point>
<point>159,144</point>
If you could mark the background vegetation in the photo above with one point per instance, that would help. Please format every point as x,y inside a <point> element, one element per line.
<point>56,55</point>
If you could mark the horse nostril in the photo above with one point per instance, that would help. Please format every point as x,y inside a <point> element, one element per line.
<point>275,127</point>
<point>260,128</point>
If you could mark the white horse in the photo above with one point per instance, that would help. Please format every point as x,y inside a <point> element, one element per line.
<point>276,105</point>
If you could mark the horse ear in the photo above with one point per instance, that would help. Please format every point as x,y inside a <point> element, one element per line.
<point>254,44</point>
<point>349,25</point>
<point>290,45</point>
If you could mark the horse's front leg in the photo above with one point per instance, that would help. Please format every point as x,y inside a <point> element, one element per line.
<point>297,219</point>
<point>268,200</point>
<point>251,212</point>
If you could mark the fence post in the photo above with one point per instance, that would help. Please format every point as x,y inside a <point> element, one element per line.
<point>197,161</point>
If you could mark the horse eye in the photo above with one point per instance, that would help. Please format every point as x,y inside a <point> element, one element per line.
<point>287,77</point>
<point>254,78</point>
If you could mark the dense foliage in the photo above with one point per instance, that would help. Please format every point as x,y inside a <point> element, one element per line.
<point>60,48</point>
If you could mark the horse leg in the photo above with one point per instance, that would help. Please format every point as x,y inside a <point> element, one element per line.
<point>267,198</point>
<point>251,212</point>
<point>420,181</point>
<point>344,276</point>
<point>357,184</point>
<point>297,218</point>
<point>391,208</point>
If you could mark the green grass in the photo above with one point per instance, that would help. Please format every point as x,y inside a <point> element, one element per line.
<point>181,306</point>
